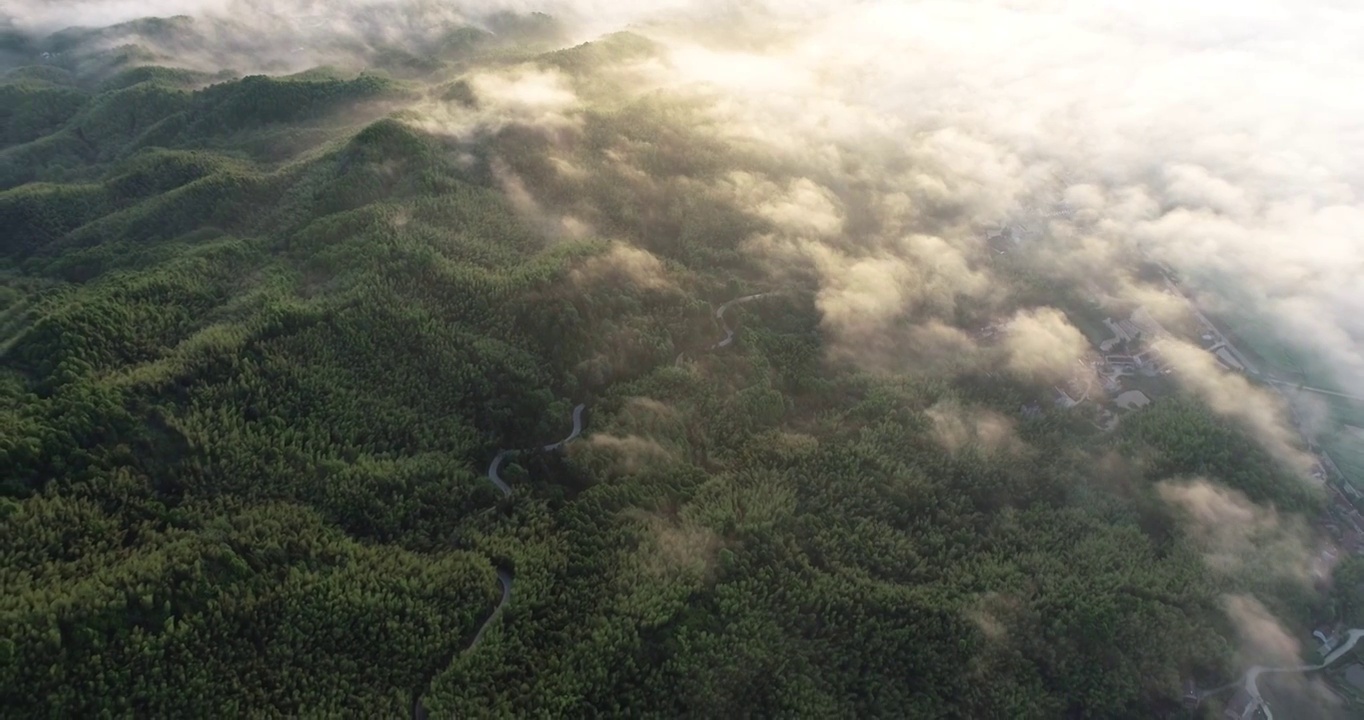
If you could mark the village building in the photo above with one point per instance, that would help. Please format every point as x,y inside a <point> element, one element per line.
<point>1242,706</point>
<point>1328,639</point>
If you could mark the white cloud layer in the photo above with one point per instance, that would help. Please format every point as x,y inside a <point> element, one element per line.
<point>1224,137</point>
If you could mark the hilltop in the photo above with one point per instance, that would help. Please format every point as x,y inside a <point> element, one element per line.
<point>264,332</point>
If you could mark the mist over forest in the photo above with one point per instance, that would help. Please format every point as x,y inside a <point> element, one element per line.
<point>681,359</point>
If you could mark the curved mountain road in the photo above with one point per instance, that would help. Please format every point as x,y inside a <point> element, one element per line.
<point>1251,679</point>
<point>504,578</point>
<point>720,315</point>
<point>1253,674</point>
<point>577,429</point>
<point>494,476</point>
<point>496,479</point>
<point>495,468</point>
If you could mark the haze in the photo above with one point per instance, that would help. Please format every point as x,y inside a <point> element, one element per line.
<point>879,148</point>
<point>1222,137</point>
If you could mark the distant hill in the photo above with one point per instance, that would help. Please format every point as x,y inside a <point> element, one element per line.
<point>264,331</point>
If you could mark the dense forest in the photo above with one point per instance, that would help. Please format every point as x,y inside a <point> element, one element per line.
<point>262,335</point>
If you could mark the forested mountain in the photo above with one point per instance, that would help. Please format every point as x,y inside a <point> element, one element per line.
<point>263,334</point>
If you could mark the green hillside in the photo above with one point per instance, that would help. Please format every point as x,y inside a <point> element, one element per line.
<point>261,337</point>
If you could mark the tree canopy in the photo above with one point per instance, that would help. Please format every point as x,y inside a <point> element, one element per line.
<point>262,336</point>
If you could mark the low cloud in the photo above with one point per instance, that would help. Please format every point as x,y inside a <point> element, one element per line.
<point>956,427</point>
<point>525,94</point>
<point>481,103</point>
<point>622,455</point>
<point>645,409</point>
<point>551,225</point>
<point>875,303</point>
<point>1208,137</point>
<point>991,612</point>
<point>1042,345</point>
<point>623,265</point>
<point>799,207</point>
<point>1232,395</point>
<point>676,548</point>
<point>1263,639</point>
<point>651,418</point>
<point>1236,536</point>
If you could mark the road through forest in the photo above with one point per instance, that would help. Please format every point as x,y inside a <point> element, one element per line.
<point>505,577</point>
<point>1253,674</point>
<point>1251,679</point>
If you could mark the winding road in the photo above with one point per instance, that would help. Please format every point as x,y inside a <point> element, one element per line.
<point>505,577</point>
<point>495,468</point>
<point>1252,676</point>
<point>577,429</point>
<point>496,465</point>
<point>1308,388</point>
<point>720,315</point>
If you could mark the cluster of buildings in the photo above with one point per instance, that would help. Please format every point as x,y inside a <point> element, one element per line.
<point>1213,340</point>
<point>1011,235</point>
<point>1243,706</point>
<point>1076,388</point>
<point>1135,345</point>
<point>1134,350</point>
<point>1342,521</point>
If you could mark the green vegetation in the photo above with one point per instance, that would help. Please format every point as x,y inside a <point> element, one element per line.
<point>259,346</point>
<point>1344,440</point>
<point>1255,337</point>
